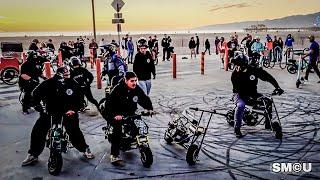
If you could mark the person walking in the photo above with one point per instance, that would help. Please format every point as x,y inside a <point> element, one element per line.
<point>207,46</point>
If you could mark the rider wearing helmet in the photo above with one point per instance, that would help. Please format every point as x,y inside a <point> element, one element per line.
<point>61,97</point>
<point>30,72</point>
<point>143,66</point>
<point>245,80</point>
<point>114,65</point>
<point>84,78</point>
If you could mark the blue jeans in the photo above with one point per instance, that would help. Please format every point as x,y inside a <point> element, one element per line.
<point>241,105</point>
<point>239,111</point>
<point>145,85</point>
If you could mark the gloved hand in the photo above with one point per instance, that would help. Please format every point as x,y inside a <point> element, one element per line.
<point>39,108</point>
<point>278,91</point>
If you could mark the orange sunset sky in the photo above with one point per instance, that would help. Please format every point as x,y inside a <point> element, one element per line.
<point>74,15</point>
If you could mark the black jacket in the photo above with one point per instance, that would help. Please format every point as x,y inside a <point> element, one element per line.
<point>58,97</point>
<point>245,83</point>
<point>143,66</point>
<point>165,43</point>
<point>50,46</point>
<point>82,76</point>
<point>192,44</point>
<point>207,44</point>
<point>197,41</point>
<point>123,101</point>
<point>33,47</point>
<point>32,69</point>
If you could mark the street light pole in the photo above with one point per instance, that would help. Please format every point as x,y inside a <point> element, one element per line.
<point>94,20</point>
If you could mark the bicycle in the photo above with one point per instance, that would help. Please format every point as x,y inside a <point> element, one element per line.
<point>267,59</point>
<point>287,54</point>
<point>293,65</point>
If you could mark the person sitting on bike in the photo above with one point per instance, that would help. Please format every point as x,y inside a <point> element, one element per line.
<point>30,72</point>
<point>84,78</point>
<point>245,80</point>
<point>62,98</point>
<point>123,102</point>
<point>113,64</point>
<point>257,49</point>
<point>143,66</point>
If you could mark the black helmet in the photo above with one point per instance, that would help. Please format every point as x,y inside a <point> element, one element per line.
<point>111,48</point>
<point>75,61</point>
<point>142,42</point>
<point>32,55</point>
<point>240,59</point>
<point>62,70</point>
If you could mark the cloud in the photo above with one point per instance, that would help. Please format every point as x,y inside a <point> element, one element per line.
<point>228,6</point>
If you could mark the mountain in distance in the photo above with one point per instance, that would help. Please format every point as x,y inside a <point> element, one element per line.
<point>295,21</point>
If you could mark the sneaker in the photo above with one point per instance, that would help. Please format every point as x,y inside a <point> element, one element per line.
<point>88,154</point>
<point>29,160</point>
<point>116,160</point>
<point>238,132</point>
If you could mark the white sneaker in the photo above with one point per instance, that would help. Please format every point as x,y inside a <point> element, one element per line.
<point>88,154</point>
<point>114,158</point>
<point>29,160</point>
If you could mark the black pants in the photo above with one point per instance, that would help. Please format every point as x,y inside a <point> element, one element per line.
<point>27,99</point>
<point>197,49</point>
<point>208,50</point>
<point>89,96</point>
<point>312,64</point>
<point>116,137</point>
<point>43,124</point>
<point>164,52</point>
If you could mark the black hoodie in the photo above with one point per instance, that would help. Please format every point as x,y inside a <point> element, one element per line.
<point>143,66</point>
<point>123,101</point>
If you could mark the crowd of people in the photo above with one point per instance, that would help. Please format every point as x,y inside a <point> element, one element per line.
<point>62,96</point>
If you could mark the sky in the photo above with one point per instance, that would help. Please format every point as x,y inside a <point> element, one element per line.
<point>76,15</point>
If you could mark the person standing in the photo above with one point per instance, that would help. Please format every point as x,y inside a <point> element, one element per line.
<point>165,43</point>
<point>192,46</point>
<point>207,46</point>
<point>222,50</point>
<point>216,43</point>
<point>313,58</point>
<point>143,66</point>
<point>130,46</point>
<point>93,46</point>
<point>197,44</point>
<point>102,43</point>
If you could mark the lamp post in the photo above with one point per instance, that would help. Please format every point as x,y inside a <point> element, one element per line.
<point>94,20</point>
